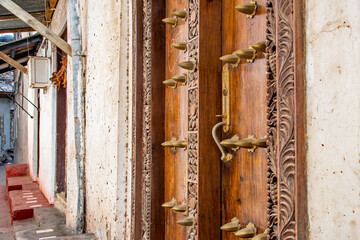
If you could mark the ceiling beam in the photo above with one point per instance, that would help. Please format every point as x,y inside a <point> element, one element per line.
<point>13,17</point>
<point>13,63</point>
<point>35,24</point>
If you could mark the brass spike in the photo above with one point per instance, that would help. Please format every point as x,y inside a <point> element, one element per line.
<point>170,83</point>
<point>180,45</point>
<point>170,204</point>
<point>249,9</point>
<point>187,221</point>
<point>248,54</point>
<point>245,143</point>
<point>180,14</point>
<point>180,144</point>
<point>260,142</point>
<point>169,143</point>
<point>248,232</point>
<point>232,59</point>
<point>188,65</point>
<point>232,226</point>
<point>263,236</point>
<point>180,78</point>
<point>180,207</point>
<point>229,143</point>
<point>171,21</point>
<point>260,46</point>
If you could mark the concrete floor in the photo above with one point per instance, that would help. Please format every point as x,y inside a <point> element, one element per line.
<point>6,231</point>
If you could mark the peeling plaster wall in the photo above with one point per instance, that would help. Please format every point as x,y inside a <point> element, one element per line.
<point>333,116</point>
<point>105,30</point>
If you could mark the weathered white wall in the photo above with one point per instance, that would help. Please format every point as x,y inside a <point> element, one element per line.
<point>47,141</point>
<point>333,115</point>
<point>32,136</point>
<point>106,42</point>
<point>5,112</point>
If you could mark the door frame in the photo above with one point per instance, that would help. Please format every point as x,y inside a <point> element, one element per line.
<point>286,152</point>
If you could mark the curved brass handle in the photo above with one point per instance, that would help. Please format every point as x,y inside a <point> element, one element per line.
<point>224,156</point>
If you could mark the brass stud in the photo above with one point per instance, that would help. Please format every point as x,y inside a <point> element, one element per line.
<point>181,46</point>
<point>170,83</point>
<point>248,54</point>
<point>249,9</point>
<point>170,204</point>
<point>180,144</point>
<point>260,143</point>
<point>187,221</point>
<point>171,21</point>
<point>263,236</point>
<point>180,208</point>
<point>248,232</point>
<point>232,226</point>
<point>232,59</point>
<point>182,14</point>
<point>188,65</point>
<point>259,47</point>
<point>180,78</point>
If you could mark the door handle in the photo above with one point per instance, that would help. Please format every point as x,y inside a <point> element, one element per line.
<point>224,156</point>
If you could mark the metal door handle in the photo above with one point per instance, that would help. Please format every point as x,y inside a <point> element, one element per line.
<point>224,156</point>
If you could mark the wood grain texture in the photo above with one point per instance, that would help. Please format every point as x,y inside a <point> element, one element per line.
<point>244,185</point>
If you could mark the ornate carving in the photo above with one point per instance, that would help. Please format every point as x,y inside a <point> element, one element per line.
<point>193,116</point>
<point>281,120</point>
<point>271,121</point>
<point>147,157</point>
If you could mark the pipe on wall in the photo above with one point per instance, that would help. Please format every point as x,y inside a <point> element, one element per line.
<point>79,111</point>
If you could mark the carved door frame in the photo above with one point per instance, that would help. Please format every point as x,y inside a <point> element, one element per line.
<point>286,152</point>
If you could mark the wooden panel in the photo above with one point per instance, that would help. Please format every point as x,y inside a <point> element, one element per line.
<point>244,179</point>
<point>175,123</point>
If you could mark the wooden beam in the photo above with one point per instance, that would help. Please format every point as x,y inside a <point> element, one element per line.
<point>13,63</point>
<point>17,30</point>
<point>13,17</point>
<point>35,24</point>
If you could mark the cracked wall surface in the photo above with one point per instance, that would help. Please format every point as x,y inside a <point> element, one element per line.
<point>333,118</point>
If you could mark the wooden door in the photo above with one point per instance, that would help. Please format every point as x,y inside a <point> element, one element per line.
<point>175,122</point>
<point>244,179</point>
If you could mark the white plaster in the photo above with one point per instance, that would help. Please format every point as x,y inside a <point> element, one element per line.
<point>32,134</point>
<point>106,43</point>
<point>5,112</point>
<point>333,118</point>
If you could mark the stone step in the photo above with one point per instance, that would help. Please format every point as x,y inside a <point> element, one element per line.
<point>44,233</point>
<point>49,216</point>
<point>88,236</point>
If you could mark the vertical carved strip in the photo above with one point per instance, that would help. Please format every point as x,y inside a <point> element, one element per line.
<point>147,157</point>
<point>272,178</point>
<point>193,117</point>
<point>286,119</point>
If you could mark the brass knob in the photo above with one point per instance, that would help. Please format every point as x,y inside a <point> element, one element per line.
<point>232,59</point>
<point>170,83</point>
<point>181,46</point>
<point>232,226</point>
<point>170,204</point>
<point>248,54</point>
<point>249,9</point>
<point>180,208</point>
<point>171,21</point>
<point>259,47</point>
<point>180,78</point>
<point>188,65</point>
<point>187,221</point>
<point>260,143</point>
<point>180,14</point>
<point>263,236</point>
<point>248,232</point>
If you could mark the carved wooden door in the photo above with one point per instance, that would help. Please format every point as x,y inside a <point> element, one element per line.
<point>244,169</point>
